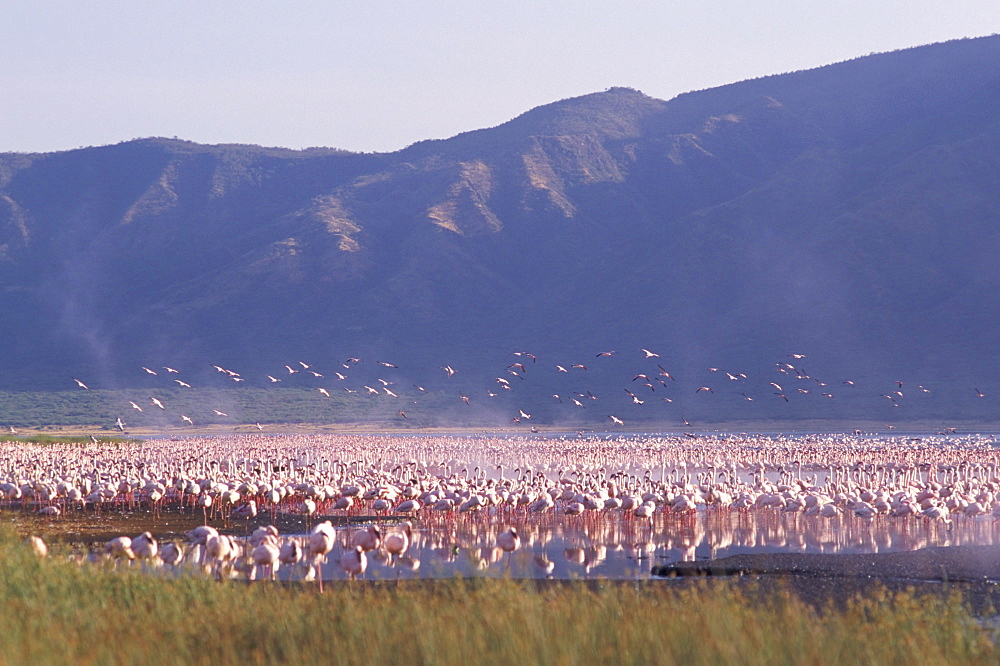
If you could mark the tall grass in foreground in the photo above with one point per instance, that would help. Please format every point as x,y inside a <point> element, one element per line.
<point>55,611</point>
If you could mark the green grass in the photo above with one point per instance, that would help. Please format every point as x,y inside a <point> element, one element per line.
<point>57,611</point>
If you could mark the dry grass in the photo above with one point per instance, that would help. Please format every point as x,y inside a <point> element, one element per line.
<point>57,611</point>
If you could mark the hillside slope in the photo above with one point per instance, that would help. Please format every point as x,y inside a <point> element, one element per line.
<point>849,213</point>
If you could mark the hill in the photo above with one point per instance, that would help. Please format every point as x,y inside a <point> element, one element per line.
<point>847,213</point>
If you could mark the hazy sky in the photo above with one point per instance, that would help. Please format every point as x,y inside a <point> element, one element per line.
<point>377,76</point>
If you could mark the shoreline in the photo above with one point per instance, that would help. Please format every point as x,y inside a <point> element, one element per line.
<point>917,428</point>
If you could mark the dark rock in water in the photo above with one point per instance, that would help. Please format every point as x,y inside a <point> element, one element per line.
<point>944,564</point>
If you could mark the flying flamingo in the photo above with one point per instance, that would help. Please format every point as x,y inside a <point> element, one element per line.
<point>663,371</point>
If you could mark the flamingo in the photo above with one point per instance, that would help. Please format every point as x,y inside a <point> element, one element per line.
<point>120,547</point>
<point>397,543</point>
<point>265,555</point>
<point>144,546</point>
<point>367,539</point>
<point>201,534</point>
<point>204,501</point>
<point>220,549</point>
<point>508,541</point>
<point>320,543</point>
<point>290,552</point>
<point>354,562</point>
<point>171,554</point>
<point>37,546</point>
<point>261,534</point>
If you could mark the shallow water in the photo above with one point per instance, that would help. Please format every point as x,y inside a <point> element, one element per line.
<point>608,545</point>
<point>598,544</point>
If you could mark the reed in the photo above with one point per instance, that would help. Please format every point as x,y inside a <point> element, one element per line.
<point>58,611</point>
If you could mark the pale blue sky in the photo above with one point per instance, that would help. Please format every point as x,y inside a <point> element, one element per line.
<point>377,76</point>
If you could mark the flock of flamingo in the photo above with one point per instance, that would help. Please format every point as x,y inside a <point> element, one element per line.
<point>647,382</point>
<point>496,496</point>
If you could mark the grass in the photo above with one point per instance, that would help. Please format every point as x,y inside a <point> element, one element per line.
<point>57,611</point>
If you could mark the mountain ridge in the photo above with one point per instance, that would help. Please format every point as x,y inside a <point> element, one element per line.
<point>730,226</point>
